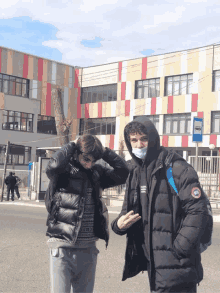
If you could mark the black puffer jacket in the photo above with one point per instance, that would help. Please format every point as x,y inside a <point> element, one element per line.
<point>166,240</point>
<point>65,197</point>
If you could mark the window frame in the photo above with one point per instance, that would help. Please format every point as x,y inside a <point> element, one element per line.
<point>154,119</point>
<point>101,123</point>
<point>26,157</point>
<point>174,118</point>
<point>48,118</point>
<point>95,94</point>
<point>173,77</point>
<point>17,120</point>
<point>213,113</point>
<point>146,85</point>
<point>16,81</point>
<point>214,80</point>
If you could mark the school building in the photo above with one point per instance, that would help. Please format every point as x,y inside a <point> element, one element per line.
<point>170,89</point>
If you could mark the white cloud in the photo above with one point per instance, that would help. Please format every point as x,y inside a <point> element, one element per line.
<point>126,27</point>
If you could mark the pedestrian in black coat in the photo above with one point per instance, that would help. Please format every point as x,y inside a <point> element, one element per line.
<point>10,181</point>
<point>18,181</point>
<point>163,229</point>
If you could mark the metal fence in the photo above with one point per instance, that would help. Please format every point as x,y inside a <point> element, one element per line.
<point>208,171</point>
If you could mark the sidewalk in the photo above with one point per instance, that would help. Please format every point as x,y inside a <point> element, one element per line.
<point>116,209</point>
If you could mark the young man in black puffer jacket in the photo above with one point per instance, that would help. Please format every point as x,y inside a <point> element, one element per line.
<point>163,229</point>
<point>77,215</point>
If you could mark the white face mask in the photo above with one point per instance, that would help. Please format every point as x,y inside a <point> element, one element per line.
<point>140,153</point>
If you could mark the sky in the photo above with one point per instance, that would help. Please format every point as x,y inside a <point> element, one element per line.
<point>87,33</point>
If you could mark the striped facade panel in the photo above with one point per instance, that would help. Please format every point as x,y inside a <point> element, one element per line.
<point>112,142</point>
<point>160,70</point>
<point>128,94</point>
<point>202,59</point>
<point>124,71</point>
<point>71,76</point>
<point>171,141</point>
<point>66,101</point>
<point>188,103</point>
<point>4,61</point>
<point>165,140</point>
<point>43,70</point>
<point>78,103</point>
<point>48,100</point>
<point>132,111</point>
<point>158,106</point>
<point>205,141</point>
<point>218,143</point>
<point>178,141</point>
<point>35,68</point>
<point>200,114</point>
<point>60,74</point>
<point>183,62</point>
<point>108,110</point>
<point>104,109</point>
<point>147,107</point>
<point>179,104</point>
<point>119,70</point>
<point>76,83</point>
<point>10,62</point>
<point>185,140</point>
<point>39,91</point>
<point>164,105</point>
<point>2,100</point>
<point>195,82</point>
<point>160,125</point>
<point>213,139</point>
<point>190,142</point>
<point>153,106</point>
<point>72,108</point>
<point>54,73</point>
<point>127,108</point>
<point>144,68</point>
<point>170,105</point>
<point>99,110</point>
<point>113,108</point>
<point>123,90</point>
<point>34,89</point>
<point>40,69</point>
<point>194,102</point>
<point>25,66</point>
<point>30,67</point>
<point>117,132</point>
<point>93,110</point>
<point>49,71</point>
<point>66,76</point>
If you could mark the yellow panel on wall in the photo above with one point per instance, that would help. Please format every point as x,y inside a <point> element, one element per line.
<point>193,61</point>
<point>2,100</point>
<point>152,66</point>
<point>172,64</point>
<point>164,105</point>
<point>171,141</point>
<point>120,110</point>
<point>30,67</point>
<point>104,109</point>
<point>162,80</point>
<point>134,69</point>
<point>66,76</point>
<point>179,104</point>
<point>10,62</point>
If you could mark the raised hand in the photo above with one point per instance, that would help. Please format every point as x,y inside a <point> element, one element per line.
<point>128,220</point>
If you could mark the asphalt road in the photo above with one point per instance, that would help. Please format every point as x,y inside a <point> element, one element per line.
<point>24,259</point>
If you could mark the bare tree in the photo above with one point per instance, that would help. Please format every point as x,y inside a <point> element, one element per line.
<point>62,124</point>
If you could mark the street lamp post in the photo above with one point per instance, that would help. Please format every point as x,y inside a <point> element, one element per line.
<point>211,147</point>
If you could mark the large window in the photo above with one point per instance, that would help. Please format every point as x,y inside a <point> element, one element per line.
<point>215,122</point>
<point>216,81</point>
<point>17,154</point>
<point>101,126</point>
<point>177,123</point>
<point>178,85</point>
<point>15,86</point>
<point>103,93</point>
<point>153,118</point>
<point>46,124</point>
<point>148,88</point>
<point>19,121</point>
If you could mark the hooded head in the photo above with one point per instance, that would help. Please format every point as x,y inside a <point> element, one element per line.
<point>142,125</point>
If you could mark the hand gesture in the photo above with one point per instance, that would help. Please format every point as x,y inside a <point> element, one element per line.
<point>127,220</point>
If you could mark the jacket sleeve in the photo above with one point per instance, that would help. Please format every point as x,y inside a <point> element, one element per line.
<point>194,209</point>
<point>60,159</point>
<point>118,174</point>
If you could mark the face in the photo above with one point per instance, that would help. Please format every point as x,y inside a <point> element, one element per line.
<point>86,161</point>
<point>138,141</point>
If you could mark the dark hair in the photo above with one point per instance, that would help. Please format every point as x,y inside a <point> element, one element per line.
<point>10,173</point>
<point>90,145</point>
<point>134,127</point>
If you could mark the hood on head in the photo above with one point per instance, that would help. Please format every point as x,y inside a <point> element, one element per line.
<point>153,149</point>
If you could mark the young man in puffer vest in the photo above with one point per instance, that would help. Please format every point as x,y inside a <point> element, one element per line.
<point>164,229</point>
<point>77,215</point>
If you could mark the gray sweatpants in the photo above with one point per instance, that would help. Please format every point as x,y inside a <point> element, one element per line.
<point>73,268</point>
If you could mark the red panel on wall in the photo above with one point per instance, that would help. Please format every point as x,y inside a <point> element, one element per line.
<point>100,110</point>
<point>153,106</point>
<point>185,140</point>
<point>123,89</point>
<point>25,66</point>
<point>213,139</point>
<point>194,102</point>
<point>76,84</point>
<point>48,100</point>
<point>200,114</point>
<point>165,141</point>
<point>78,104</point>
<point>144,68</point>
<point>111,142</point>
<point>86,111</point>
<point>119,70</point>
<point>127,108</point>
<point>170,105</point>
<point>40,69</point>
<point>0,60</point>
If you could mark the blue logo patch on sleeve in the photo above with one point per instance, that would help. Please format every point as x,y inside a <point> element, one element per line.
<point>196,192</point>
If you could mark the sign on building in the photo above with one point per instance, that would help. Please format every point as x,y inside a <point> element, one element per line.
<point>197,129</point>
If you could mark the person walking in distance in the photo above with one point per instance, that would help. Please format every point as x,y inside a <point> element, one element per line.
<point>10,181</point>
<point>164,228</point>
<point>18,181</point>
<point>77,216</point>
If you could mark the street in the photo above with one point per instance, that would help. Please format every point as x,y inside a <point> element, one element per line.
<point>25,260</point>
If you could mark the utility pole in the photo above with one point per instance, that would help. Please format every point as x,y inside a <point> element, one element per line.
<point>5,167</point>
<point>62,124</point>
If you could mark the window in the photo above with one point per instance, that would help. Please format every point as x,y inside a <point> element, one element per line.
<point>19,121</point>
<point>103,93</point>
<point>17,154</point>
<point>153,118</point>
<point>177,123</point>
<point>15,86</point>
<point>147,88</point>
<point>178,85</point>
<point>46,124</point>
<point>216,81</point>
<point>101,126</point>
<point>215,122</point>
